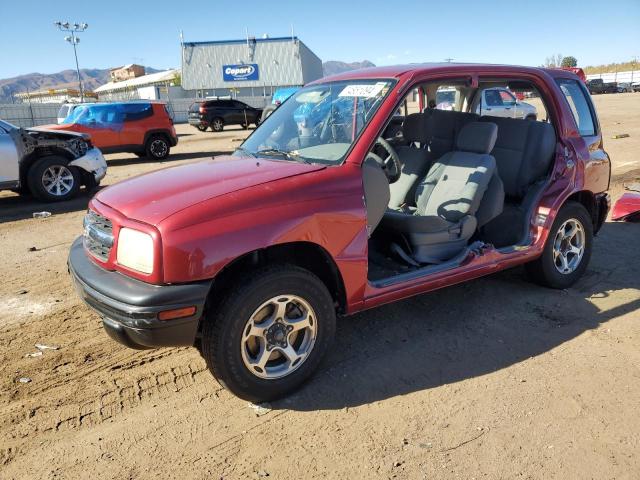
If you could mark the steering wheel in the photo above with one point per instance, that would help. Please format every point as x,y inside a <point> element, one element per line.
<point>391,163</point>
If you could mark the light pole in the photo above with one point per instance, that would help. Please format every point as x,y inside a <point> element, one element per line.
<point>73,39</point>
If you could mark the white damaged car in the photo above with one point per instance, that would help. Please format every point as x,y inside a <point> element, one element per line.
<point>51,165</point>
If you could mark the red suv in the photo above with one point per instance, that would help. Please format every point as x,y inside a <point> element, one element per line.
<point>143,128</point>
<point>338,203</point>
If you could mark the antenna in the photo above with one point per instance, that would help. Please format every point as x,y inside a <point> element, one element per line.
<point>293,35</point>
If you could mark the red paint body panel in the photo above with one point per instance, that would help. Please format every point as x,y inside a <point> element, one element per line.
<point>152,197</point>
<point>205,215</point>
<point>627,207</point>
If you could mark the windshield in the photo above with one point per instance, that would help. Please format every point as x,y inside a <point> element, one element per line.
<point>319,123</point>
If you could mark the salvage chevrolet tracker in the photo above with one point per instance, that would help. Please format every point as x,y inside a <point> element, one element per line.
<point>343,200</point>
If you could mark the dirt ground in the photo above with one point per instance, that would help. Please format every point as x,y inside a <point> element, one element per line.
<point>496,378</point>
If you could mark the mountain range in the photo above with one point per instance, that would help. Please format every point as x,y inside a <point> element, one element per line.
<point>94,77</point>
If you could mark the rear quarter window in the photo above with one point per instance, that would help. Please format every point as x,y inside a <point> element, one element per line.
<point>137,111</point>
<point>580,106</point>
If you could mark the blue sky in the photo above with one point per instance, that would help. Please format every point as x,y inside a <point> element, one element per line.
<point>385,32</point>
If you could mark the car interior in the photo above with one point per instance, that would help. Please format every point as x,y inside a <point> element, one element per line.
<point>444,180</point>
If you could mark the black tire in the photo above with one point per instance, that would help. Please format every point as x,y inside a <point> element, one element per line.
<point>202,128</point>
<point>40,175</point>
<point>157,147</point>
<point>257,122</point>
<point>140,154</point>
<point>244,126</point>
<point>224,326</point>
<point>543,270</point>
<point>217,124</point>
<point>268,110</point>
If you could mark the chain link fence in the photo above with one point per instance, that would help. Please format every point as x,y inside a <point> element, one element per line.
<point>27,115</point>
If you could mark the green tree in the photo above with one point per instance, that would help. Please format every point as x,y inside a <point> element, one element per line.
<point>569,62</point>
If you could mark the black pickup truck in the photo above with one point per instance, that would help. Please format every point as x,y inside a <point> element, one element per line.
<point>597,85</point>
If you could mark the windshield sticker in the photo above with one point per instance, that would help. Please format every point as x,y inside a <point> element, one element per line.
<point>364,91</point>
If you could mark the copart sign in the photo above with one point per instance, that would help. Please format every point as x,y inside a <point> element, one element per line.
<point>240,73</point>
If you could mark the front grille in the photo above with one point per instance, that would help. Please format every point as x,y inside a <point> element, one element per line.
<point>98,235</point>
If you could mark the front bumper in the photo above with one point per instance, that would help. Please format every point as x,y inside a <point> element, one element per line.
<point>195,121</point>
<point>129,308</point>
<point>93,162</point>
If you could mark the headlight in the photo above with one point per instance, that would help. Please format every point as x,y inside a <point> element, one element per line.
<point>135,250</point>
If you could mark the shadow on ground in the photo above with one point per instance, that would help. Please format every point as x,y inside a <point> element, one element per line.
<point>468,330</point>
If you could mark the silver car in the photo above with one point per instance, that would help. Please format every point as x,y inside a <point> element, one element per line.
<point>501,102</point>
<point>51,165</point>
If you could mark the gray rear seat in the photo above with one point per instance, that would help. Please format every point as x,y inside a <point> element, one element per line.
<point>524,153</point>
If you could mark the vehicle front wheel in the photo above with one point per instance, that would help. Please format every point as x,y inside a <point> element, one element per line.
<point>202,128</point>
<point>51,179</point>
<point>269,333</point>
<point>567,250</point>
<point>157,147</point>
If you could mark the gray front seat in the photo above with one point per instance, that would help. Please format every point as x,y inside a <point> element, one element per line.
<point>414,159</point>
<point>447,200</point>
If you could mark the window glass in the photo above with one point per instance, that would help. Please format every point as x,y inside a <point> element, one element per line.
<point>517,99</point>
<point>493,98</point>
<point>319,123</point>
<point>579,104</point>
<point>507,98</point>
<point>446,98</point>
<point>95,115</point>
<point>137,111</point>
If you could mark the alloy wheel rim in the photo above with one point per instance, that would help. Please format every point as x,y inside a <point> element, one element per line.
<point>158,148</point>
<point>217,124</point>
<point>57,180</point>
<point>278,337</point>
<point>568,246</point>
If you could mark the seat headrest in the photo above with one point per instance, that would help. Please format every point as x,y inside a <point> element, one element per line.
<point>477,137</point>
<point>413,128</point>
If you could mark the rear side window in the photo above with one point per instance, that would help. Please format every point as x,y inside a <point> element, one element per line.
<point>580,106</point>
<point>137,111</point>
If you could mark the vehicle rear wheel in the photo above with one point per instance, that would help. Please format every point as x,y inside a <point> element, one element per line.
<point>244,126</point>
<point>567,250</point>
<point>217,125</point>
<point>157,147</point>
<point>270,333</point>
<point>51,179</point>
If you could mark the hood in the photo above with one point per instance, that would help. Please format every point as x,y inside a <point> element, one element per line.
<point>58,131</point>
<point>152,197</point>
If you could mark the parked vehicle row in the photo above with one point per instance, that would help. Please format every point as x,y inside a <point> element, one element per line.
<point>325,211</point>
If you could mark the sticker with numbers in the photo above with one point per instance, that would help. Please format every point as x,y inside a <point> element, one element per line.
<point>363,91</point>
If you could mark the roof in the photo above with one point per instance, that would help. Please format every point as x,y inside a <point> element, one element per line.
<point>397,71</point>
<point>150,79</point>
<point>243,40</point>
